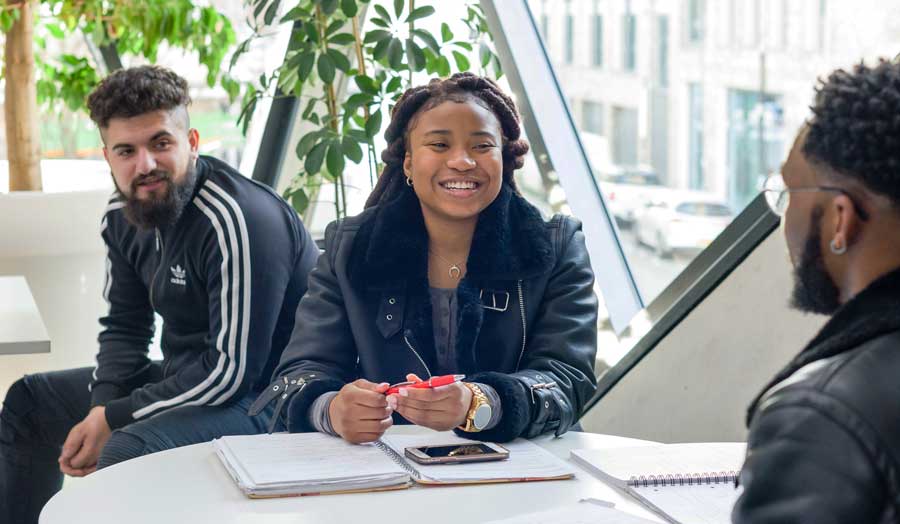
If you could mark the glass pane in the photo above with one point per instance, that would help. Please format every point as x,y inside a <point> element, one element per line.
<point>692,104</point>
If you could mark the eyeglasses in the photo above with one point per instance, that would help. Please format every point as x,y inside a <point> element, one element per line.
<point>778,195</point>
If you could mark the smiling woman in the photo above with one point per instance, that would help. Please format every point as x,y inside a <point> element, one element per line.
<point>449,270</point>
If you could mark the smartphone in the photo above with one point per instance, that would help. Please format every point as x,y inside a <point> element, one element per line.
<point>457,453</point>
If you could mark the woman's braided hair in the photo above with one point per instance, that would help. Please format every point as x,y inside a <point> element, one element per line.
<point>460,87</point>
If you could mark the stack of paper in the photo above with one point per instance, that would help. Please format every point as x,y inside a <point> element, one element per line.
<point>306,463</point>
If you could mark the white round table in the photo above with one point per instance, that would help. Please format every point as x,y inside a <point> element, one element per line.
<point>190,485</point>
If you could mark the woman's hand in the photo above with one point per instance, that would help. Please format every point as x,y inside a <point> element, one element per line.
<point>360,412</point>
<point>439,408</point>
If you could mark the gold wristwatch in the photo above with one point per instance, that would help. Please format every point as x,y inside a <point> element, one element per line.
<point>480,410</point>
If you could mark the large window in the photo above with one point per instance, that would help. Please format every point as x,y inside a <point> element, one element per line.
<point>680,137</point>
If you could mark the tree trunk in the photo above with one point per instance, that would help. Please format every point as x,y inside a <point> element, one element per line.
<point>22,135</point>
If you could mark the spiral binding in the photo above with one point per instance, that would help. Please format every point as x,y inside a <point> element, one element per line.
<point>402,462</point>
<point>689,479</point>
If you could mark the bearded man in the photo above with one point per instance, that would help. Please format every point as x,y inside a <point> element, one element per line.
<point>221,259</point>
<point>824,441</point>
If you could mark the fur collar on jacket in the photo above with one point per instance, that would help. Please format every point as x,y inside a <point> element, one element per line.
<point>510,242</point>
<point>390,250</point>
<point>873,312</point>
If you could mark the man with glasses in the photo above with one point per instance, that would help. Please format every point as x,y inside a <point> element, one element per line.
<point>824,442</point>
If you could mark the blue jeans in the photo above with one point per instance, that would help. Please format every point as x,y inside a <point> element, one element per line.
<point>41,409</point>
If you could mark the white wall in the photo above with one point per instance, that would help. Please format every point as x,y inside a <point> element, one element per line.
<point>697,383</point>
<point>53,239</point>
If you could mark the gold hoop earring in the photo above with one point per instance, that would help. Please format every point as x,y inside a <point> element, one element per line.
<point>836,249</point>
<point>409,181</point>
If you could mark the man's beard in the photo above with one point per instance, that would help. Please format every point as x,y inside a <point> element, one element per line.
<point>814,289</point>
<point>161,212</point>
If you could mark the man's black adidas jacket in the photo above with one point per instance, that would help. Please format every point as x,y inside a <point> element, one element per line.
<point>226,280</point>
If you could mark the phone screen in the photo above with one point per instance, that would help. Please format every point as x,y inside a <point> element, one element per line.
<point>457,451</point>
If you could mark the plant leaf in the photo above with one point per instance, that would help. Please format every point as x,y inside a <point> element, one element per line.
<point>329,6</point>
<point>349,8</point>
<point>462,63</point>
<point>446,33</point>
<point>444,66</point>
<point>333,27</point>
<point>465,45</point>
<point>325,67</point>
<point>485,54</point>
<point>382,12</point>
<point>376,35</point>
<point>398,7</point>
<point>334,160</point>
<point>299,201</point>
<point>294,14</point>
<point>305,145</point>
<point>351,149</point>
<point>380,22</point>
<point>414,55</point>
<point>340,60</point>
<point>420,13</point>
<point>342,39</point>
<point>393,85</point>
<point>427,39</point>
<point>269,17</point>
<point>306,64</point>
<point>366,84</point>
<point>395,53</point>
<point>381,49</point>
<point>313,163</point>
<point>373,124</point>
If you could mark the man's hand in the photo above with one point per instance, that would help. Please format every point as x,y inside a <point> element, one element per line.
<point>84,444</point>
<point>441,408</point>
<point>360,412</point>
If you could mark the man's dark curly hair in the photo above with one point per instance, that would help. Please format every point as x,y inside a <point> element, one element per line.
<point>855,128</point>
<point>460,87</point>
<point>135,91</point>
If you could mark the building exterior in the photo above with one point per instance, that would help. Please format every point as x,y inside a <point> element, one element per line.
<point>707,93</point>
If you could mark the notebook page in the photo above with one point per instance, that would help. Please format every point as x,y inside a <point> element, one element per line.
<point>526,460</point>
<point>583,513</point>
<point>305,458</point>
<point>620,464</point>
<point>698,504</point>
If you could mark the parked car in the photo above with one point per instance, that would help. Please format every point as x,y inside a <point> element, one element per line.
<point>627,189</point>
<point>684,221</point>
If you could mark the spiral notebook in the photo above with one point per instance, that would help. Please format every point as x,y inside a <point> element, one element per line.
<point>294,464</point>
<point>684,483</point>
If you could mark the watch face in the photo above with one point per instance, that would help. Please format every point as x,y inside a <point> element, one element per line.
<point>482,416</point>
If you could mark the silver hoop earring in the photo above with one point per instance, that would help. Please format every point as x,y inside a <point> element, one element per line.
<point>835,249</point>
<point>409,181</point>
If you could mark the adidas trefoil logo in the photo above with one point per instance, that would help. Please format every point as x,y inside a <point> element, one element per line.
<point>178,275</point>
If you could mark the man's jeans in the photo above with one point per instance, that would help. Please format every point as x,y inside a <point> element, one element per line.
<point>41,409</point>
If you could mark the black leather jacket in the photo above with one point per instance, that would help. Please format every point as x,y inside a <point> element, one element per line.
<point>527,318</point>
<point>824,443</point>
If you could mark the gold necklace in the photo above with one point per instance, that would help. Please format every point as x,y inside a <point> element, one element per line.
<point>455,272</point>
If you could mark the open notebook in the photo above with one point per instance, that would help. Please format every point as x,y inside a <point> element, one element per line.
<point>284,464</point>
<point>684,483</point>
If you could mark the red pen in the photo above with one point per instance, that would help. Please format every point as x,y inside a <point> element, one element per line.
<point>432,382</point>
